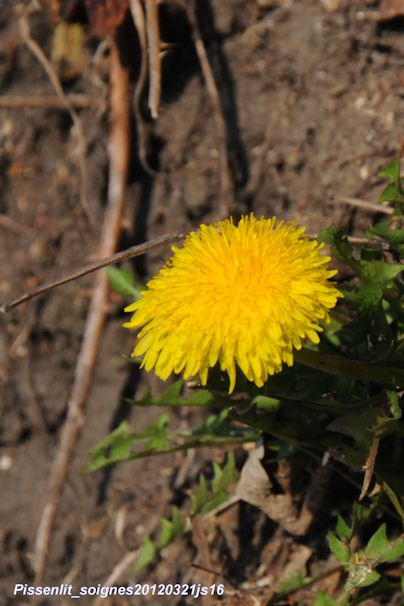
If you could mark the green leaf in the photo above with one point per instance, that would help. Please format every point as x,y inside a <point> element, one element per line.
<point>172,397</point>
<point>215,501</point>
<point>390,193</point>
<point>113,448</point>
<point>381,549</point>
<point>199,498</point>
<point>266,403</point>
<point>377,543</point>
<point>295,581</point>
<point>391,171</point>
<point>323,599</point>
<point>341,249</point>
<point>395,237</point>
<point>147,553</point>
<point>361,576</point>
<point>380,272</point>
<point>122,281</point>
<point>166,533</point>
<point>342,530</point>
<point>395,407</point>
<point>171,529</point>
<point>339,548</point>
<point>223,477</point>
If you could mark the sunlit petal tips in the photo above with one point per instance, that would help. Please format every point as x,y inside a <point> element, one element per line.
<point>238,295</point>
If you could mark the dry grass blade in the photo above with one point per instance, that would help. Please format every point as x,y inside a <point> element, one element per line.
<point>119,158</point>
<point>153,45</point>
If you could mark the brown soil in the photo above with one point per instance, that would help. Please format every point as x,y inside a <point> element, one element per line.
<point>313,101</point>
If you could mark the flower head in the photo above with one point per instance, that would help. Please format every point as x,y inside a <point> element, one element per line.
<point>242,295</point>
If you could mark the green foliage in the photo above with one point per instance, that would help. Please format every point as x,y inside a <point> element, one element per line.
<point>393,191</point>
<point>340,399</point>
<point>361,565</point>
<point>122,445</point>
<point>208,496</point>
<point>123,282</point>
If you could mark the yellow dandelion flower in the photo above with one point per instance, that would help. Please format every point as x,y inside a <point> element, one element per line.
<point>242,295</point>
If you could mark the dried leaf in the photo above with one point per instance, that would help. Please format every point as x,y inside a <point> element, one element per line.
<point>255,487</point>
<point>106,15</point>
<point>391,9</point>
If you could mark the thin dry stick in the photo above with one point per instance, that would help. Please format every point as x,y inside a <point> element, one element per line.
<point>369,206</point>
<point>226,181</point>
<point>48,102</point>
<point>53,78</point>
<point>119,158</point>
<point>153,45</point>
<point>136,251</point>
<point>133,251</point>
<point>139,20</point>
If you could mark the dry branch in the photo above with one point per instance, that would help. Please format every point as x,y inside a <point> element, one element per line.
<point>365,205</point>
<point>119,158</point>
<point>129,253</point>
<point>153,46</point>
<point>48,102</point>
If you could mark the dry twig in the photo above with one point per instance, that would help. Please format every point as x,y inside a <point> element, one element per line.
<point>48,102</point>
<point>369,206</point>
<point>139,20</point>
<point>153,45</point>
<point>129,253</point>
<point>119,158</point>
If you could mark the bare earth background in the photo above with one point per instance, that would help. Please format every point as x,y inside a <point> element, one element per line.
<point>313,98</point>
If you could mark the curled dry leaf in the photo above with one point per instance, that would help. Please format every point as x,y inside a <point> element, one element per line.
<point>390,9</point>
<point>255,487</point>
<point>104,15</point>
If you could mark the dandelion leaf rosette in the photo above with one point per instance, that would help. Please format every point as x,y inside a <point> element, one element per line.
<point>241,295</point>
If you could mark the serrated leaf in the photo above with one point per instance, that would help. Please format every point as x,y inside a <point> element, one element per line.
<point>122,281</point>
<point>377,543</point>
<point>340,549</point>
<point>342,530</point>
<point>199,498</point>
<point>147,553</point>
<point>223,477</point>
<point>113,448</point>
<point>381,549</point>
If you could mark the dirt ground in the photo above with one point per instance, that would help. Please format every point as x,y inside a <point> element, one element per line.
<point>312,94</point>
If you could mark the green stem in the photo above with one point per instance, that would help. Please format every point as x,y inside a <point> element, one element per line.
<point>351,369</point>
